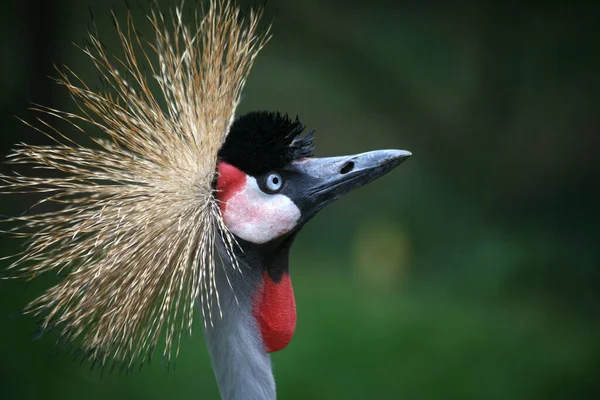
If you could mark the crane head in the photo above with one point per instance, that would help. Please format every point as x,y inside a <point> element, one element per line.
<point>268,186</point>
<point>150,212</point>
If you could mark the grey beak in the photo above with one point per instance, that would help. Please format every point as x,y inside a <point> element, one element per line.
<point>320,181</point>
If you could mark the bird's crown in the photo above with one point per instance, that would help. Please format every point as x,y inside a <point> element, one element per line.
<point>135,222</point>
<point>260,142</point>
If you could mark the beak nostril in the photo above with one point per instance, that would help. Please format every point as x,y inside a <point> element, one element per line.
<point>349,166</point>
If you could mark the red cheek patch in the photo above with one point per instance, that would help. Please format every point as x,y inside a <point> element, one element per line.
<point>275,311</point>
<point>248,212</point>
<point>230,181</point>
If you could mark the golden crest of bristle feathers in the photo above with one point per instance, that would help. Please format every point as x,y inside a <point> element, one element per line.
<point>137,227</point>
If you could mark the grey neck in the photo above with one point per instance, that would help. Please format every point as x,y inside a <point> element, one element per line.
<point>241,365</point>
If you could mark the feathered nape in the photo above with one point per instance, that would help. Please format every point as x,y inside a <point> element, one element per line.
<point>137,230</point>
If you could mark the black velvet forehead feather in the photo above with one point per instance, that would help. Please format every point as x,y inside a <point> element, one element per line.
<point>261,141</point>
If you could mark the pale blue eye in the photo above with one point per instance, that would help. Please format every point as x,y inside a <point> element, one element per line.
<point>274,182</point>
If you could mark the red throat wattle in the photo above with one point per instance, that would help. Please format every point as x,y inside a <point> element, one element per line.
<point>274,308</point>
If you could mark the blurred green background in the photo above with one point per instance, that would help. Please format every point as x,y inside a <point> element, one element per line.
<point>470,272</point>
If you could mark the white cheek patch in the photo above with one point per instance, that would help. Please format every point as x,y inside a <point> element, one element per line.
<point>258,217</point>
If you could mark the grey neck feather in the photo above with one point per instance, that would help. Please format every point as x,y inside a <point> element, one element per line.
<point>241,365</point>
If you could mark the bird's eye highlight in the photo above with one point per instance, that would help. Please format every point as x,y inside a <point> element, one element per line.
<point>273,183</point>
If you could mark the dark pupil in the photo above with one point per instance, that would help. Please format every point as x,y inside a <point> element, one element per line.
<point>275,180</point>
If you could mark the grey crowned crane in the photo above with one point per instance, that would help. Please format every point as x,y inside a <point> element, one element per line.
<point>179,207</point>
<point>265,200</point>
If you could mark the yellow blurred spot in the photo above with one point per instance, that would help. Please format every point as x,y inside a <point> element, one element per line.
<point>382,254</point>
